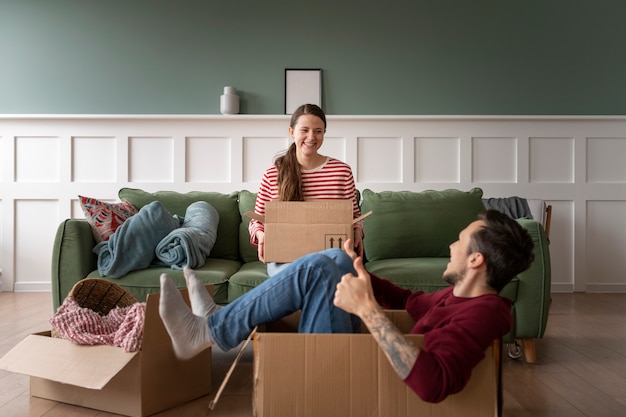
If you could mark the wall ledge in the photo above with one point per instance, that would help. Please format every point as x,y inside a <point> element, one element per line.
<point>9,117</point>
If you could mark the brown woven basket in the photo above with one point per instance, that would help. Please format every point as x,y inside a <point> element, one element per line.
<point>101,295</point>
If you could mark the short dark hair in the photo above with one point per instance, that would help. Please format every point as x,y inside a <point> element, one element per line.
<point>507,247</point>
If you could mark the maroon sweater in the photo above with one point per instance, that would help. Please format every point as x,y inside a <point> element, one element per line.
<point>456,330</point>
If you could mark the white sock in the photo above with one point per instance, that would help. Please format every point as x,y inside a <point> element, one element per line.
<point>201,302</point>
<point>189,333</point>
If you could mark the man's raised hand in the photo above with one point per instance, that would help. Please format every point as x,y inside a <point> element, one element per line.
<point>354,294</point>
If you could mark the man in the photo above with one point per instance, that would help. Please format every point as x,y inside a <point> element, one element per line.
<point>332,287</point>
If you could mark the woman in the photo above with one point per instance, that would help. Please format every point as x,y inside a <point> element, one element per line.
<point>302,173</point>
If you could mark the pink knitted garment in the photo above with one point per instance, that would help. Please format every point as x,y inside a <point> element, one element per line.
<point>121,327</point>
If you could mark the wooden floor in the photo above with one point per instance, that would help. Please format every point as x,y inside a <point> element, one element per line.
<point>580,369</point>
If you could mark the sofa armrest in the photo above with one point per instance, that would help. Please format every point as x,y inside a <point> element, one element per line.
<point>72,257</point>
<point>532,300</point>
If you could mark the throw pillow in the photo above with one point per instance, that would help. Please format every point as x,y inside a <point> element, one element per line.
<point>104,217</point>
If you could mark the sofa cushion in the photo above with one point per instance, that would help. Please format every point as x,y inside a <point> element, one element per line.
<point>227,243</point>
<point>247,252</point>
<point>249,276</point>
<point>408,224</point>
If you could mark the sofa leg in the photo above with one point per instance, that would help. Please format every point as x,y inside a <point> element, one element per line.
<point>528,345</point>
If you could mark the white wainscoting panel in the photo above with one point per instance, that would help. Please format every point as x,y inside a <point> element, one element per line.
<point>259,153</point>
<point>94,159</point>
<point>437,160</point>
<point>380,160</point>
<point>37,159</point>
<point>606,240</point>
<point>151,159</point>
<point>551,160</point>
<point>35,226</point>
<point>605,158</point>
<point>494,160</point>
<point>208,159</point>
<point>336,147</point>
<point>573,163</point>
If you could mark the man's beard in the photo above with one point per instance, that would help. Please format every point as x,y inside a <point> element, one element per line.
<point>452,277</point>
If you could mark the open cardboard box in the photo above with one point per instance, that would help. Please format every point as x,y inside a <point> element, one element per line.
<point>297,228</point>
<point>108,378</point>
<point>348,375</point>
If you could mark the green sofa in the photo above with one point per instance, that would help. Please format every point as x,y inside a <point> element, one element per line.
<point>406,240</point>
<point>232,267</point>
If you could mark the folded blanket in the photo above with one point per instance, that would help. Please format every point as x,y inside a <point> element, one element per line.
<point>514,207</point>
<point>121,327</point>
<point>132,245</point>
<point>190,244</point>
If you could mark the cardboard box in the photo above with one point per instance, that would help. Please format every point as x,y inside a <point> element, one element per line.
<point>348,375</point>
<point>297,228</point>
<point>109,379</point>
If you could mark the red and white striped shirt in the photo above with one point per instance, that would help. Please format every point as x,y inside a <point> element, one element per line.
<point>332,180</point>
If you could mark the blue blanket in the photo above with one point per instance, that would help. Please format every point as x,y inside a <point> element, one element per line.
<point>132,245</point>
<point>514,207</point>
<point>190,244</point>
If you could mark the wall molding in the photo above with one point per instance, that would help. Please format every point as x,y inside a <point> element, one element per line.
<point>572,162</point>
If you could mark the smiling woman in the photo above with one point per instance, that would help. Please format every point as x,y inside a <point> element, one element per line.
<point>302,173</point>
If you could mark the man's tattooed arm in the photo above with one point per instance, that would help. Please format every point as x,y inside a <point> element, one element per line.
<point>400,351</point>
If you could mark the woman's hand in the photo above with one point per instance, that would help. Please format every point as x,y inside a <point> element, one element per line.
<point>358,242</point>
<point>260,238</point>
<point>349,249</point>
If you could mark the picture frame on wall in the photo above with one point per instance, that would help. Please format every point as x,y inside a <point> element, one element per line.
<point>302,86</point>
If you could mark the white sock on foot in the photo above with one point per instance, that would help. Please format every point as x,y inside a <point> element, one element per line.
<point>189,333</point>
<point>201,302</point>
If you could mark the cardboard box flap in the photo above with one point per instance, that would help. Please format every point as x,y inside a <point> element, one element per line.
<point>55,359</point>
<point>253,215</point>
<point>309,212</point>
<point>258,217</point>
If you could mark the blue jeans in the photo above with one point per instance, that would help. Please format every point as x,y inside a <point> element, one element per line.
<point>274,268</point>
<point>307,284</point>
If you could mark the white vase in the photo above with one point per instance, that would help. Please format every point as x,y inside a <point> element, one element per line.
<point>229,101</point>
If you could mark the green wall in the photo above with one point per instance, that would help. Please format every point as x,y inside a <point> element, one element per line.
<point>537,57</point>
